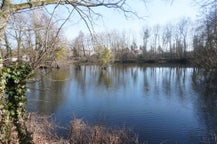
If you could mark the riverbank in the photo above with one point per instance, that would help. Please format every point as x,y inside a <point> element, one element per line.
<point>43,132</point>
<point>94,61</point>
<point>91,60</point>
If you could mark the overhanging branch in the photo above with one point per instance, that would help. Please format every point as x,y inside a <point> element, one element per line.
<point>75,3</point>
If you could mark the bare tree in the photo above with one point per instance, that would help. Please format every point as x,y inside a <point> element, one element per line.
<point>15,32</point>
<point>167,38</point>
<point>206,41</point>
<point>7,46</point>
<point>78,45</point>
<point>146,35</point>
<point>32,38</point>
<point>115,41</point>
<point>155,38</point>
<point>183,27</point>
<point>85,9</point>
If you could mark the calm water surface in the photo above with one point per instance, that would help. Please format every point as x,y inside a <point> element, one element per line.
<point>158,103</point>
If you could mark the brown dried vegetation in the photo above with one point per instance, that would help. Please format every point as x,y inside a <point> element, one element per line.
<point>82,133</point>
<point>43,132</point>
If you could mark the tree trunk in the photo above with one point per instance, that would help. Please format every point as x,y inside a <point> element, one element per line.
<point>2,28</point>
<point>19,46</point>
<point>8,48</point>
<point>4,17</point>
<point>83,49</point>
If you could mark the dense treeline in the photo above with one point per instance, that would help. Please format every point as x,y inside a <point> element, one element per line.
<point>171,41</point>
<point>183,41</point>
<point>36,37</point>
<point>205,48</point>
<point>32,36</point>
<point>179,42</point>
<point>205,40</point>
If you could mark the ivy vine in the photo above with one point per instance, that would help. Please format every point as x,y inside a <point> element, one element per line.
<point>12,104</point>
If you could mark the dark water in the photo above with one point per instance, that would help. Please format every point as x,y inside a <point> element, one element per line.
<point>160,104</point>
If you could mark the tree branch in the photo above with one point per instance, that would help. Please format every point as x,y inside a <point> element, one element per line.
<point>75,3</point>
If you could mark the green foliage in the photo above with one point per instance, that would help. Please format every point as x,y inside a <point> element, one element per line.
<point>104,56</point>
<point>15,88</point>
<point>12,90</point>
<point>60,53</point>
<point>5,129</point>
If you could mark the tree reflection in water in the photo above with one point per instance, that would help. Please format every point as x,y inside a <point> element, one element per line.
<point>205,83</point>
<point>175,100</point>
<point>104,79</point>
<point>48,91</point>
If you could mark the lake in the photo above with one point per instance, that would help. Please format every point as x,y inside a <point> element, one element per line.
<point>159,103</point>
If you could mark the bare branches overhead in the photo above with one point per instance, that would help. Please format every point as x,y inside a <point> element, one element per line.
<point>84,8</point>
<point>117,4</point>
<point>205,3</point>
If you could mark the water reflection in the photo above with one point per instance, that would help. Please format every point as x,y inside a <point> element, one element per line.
<point>207,99</point>
<point>104,79</point>
<point>48,92</point>
<point>159,103</point>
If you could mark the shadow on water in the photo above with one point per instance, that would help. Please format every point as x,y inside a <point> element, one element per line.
<point>159,103</point>
<point>205,83</point>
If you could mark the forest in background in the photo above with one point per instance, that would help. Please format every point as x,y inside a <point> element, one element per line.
<point>30,34</point>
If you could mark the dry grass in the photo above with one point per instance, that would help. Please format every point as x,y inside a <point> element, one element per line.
<point>82,133</point>
<point>43,132</point>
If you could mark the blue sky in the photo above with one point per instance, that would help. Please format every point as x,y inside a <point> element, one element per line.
<point>153,11</point>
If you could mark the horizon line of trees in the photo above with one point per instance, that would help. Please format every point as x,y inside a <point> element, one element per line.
<point>29,34</point>
<point>182,40</point>
<point>185,39</point>
<point>167,41</point>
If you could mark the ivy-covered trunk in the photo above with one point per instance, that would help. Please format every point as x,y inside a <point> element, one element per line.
<point>15,76</point>
<point>12,101</point>
<point>2,29</point>
<point>12,91</point>
<point>5,12</point>
<point>6,127</point>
